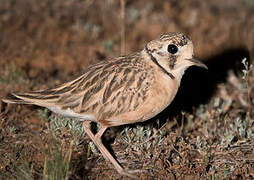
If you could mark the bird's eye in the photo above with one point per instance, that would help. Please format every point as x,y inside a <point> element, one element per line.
<point>172,48</point>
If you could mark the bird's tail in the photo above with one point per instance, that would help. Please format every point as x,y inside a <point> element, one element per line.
<point>40,98</point>
<point>14,99</point>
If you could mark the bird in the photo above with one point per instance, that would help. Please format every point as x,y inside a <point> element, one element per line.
<point>121,90</point>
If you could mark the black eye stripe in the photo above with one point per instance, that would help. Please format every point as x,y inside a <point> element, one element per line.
<point>172,48</point>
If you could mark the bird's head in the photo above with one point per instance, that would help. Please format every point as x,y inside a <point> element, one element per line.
<point>173,53</point>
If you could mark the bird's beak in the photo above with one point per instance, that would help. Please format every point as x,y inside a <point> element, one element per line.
<point>196,62</point>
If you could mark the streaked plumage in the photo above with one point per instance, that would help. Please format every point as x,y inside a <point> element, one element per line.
<point>122,90</point>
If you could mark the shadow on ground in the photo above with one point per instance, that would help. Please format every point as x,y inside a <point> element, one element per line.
<point>199,85</point>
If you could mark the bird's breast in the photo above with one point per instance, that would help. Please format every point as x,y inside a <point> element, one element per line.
<point>161,95</point>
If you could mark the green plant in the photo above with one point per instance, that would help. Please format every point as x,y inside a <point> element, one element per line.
<point>56,164</point>
<point>56,123</point>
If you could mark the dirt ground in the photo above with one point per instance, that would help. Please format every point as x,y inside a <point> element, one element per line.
<point>206,133</point>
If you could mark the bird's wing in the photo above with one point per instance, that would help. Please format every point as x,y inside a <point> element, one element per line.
<point>124,89</point>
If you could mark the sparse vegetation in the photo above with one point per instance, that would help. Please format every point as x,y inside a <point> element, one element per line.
<point>11,73</point>
<point>57,123</point>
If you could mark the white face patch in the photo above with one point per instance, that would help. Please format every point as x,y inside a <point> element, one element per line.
<point>70,113</point>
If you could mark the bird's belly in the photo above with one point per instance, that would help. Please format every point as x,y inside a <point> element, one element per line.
<point>160,96</point>
<point>70,113</point>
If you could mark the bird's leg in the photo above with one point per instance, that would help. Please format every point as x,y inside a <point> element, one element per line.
<point>106,154</point>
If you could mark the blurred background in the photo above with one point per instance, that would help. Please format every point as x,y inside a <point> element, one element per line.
<point>45,43</point>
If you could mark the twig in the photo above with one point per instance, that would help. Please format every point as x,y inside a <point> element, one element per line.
<point>122,27</point>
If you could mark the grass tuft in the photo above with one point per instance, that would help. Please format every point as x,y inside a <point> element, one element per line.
<point>56,164</point>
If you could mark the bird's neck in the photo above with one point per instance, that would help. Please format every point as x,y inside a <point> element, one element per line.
<point>174,74</point>
<point>162,65</point>
<point>178,73</point>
